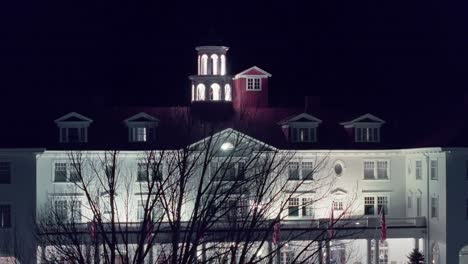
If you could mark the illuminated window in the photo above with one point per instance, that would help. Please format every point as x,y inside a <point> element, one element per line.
<point>227,92</point>
<point>254,84</point>
<point>223,65</point>
<point>376,169</point>
<point>214,63</point>
<point>215,92</point>
<point>200,92</point>
<point>204,64</point>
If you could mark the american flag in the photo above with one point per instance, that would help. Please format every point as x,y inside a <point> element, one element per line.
<point>276,233</point>
<point>383,225</point>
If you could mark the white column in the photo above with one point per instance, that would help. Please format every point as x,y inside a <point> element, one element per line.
<point>376,251</point>
<point>369,249</point>
<point>327,260</point>
<point>416,243</point>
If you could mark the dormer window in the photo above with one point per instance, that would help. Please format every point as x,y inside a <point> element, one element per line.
<point>141,127</point>
<point>73,128</point>
<point>254,84</point>
<point>366,128</point>
<point>301,128</point>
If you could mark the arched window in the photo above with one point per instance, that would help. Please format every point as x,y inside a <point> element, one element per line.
<point>215,92</point>
<point>227,93</point>
<point>214,62</point>
<point>204,64</point>
<point>200,92</point>
<point>223,65</point>
<point>193,92</point>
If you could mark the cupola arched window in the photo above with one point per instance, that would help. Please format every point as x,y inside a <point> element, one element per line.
<point>227,92</point>
<point>215,92</point>
<point>200,92</point>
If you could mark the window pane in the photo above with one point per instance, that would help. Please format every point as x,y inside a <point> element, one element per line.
<point>241,171</point>
<point>369,170</point>
<point>61,208</point>
<point>293,207</point>
<point>5,173</point>
<point>75,209</point>
<point>5,216</point>
<point>294,134</point>
<point>307,207</point>
<point>382,202</point>
<point>141,211</point>
<point>74,172</point>
<point>434,207</point>
<point>307,170</point>
<point>142,172</point>
<point>418,169</point>
<point>73,134</point>
<point>60,172</point>
<point>382,170</point>
<point>293,170</point>
<point>434,175</point>
<point>369,205</point>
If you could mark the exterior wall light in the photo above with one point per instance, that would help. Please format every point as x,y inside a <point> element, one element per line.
<point>227,146</point>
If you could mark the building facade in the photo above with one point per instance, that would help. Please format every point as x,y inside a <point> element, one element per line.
<point>334,174</point>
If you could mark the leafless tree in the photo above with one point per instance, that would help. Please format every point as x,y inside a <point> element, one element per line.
<point>218,200</point>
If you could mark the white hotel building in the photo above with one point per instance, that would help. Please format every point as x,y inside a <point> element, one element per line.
<point>422,185</point>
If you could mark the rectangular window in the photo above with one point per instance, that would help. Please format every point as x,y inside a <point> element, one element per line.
<point>418,206</point>
<point>369,170</point>
<point>5,172</point>
<point>303,134</point>
<point>293,170</point>
<point>307,209</point>
<point>382,203</point>
<point>369,205</point>
<point>307,170</point>
<point>410,202</point>
<point>382,169</point>
<point>144,170</point>
<point>287,257</point>
<point>418,170</point>
<point>253,84</point>
<point>141,210</point>
<point>434,207</point>
<point>75,211</point>
<point>75,169</point>
<point>434,175</point>
<point>5,216</point>
<point>293,207</point>
<point>367,134</point>
<point>241,171</point>
<point>61,210</point>
<point>140,134</point>
<point>60,172</point>
<point>338,205</point>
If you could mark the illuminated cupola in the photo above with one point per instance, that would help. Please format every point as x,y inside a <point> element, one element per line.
<point>211,84</point>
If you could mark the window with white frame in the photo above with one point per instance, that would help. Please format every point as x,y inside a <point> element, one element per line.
<point>5,216</point>
<point>66,172</point>
<point>338,205</point>
<point>67,211</point>
<point>254,84</point>
<point>434,207</point>
<point>367,134</point>
<point>293,207</point>
<point>410,202</point>
<point>5,172</point>
<point>418,206</point>
<point>434,174</point>
<point>376,170</point>
<point>374,204</point>
<point>418,170</point>
<point>141,133</point>
<point>304,134</point>
<point>301,207</point>
<point>227,171</point>
<point>73,134</point>
<point>301,170</point>
<point>307,207</point>
<point>145,170</point>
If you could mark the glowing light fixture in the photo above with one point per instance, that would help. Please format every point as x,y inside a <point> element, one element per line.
<point>227,146</point>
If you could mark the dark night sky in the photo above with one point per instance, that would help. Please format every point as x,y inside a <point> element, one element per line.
<point>135,52</point>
